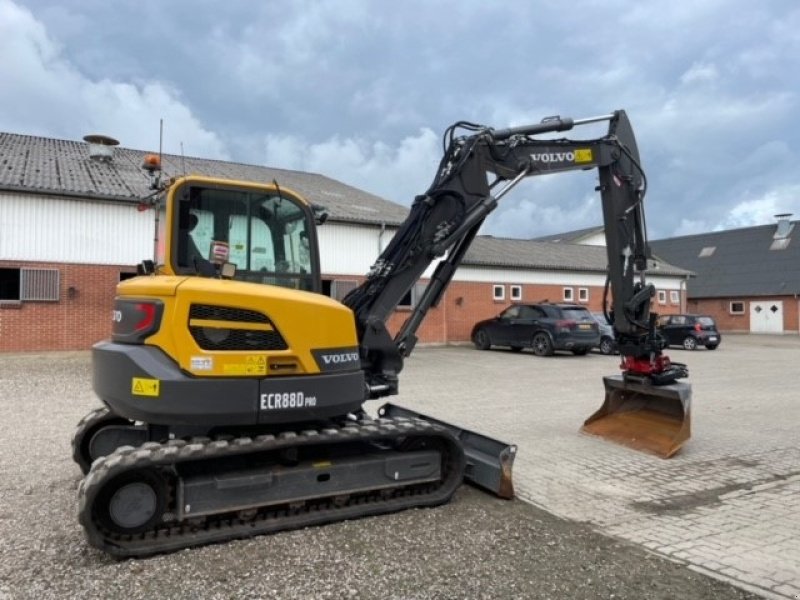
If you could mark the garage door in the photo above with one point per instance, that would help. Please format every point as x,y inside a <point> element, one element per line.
<point>766,317</point>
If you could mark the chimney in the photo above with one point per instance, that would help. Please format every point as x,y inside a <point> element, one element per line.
<point>101,147</point>
<point>785,226</point>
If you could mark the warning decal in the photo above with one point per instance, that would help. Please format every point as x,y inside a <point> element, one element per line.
<point>145,387</point>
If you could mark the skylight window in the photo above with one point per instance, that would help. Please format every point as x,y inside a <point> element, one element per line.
<point>707,251</point>
<point>780,244</point>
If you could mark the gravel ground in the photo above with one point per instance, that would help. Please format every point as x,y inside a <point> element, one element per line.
<point>475,547</point>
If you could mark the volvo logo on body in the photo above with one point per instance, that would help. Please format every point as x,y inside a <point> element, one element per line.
<point>344,358</point>
<point>340,358</point>
<point>549,157</point>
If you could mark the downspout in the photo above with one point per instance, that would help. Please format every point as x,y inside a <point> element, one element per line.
<point>684,292</point>
<point>380,237</point>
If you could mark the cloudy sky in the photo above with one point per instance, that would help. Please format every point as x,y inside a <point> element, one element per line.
<point>361,91</point>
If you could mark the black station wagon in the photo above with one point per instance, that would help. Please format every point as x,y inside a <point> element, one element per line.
<point>545,327</point>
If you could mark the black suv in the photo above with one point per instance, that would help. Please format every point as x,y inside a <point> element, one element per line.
<point>545,327</point>
<point>689,331</point>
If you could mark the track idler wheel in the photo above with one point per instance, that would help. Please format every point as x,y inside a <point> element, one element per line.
<point>87,428</point>
<point>133,502</point>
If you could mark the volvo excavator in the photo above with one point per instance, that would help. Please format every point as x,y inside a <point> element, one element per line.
<point>233,391</point>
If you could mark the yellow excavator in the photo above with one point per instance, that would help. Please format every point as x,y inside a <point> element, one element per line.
<point>233,390</point>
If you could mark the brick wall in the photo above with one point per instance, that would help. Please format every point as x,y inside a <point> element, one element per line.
<point>466,303</point>
<point>77,320</point>
<point>719,309</point>
<point>81,316</point>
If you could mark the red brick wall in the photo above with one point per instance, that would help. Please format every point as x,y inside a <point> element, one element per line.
<point>80,318</point>
<point>719,309</point>
<point>466,303</point>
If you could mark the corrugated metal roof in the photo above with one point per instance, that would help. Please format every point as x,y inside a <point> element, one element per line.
<point>740,264</point>
<point>527,254</point>
<point>44,165</point>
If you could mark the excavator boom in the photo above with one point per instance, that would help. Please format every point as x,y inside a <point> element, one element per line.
<point>479,169</point>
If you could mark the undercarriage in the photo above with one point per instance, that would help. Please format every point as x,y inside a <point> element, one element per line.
<point>161,497</point>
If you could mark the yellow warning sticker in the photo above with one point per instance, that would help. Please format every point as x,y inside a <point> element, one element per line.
<point>583,155</point>
<point>145,387</point>
<point>253,365</point>
<point>256,365</point>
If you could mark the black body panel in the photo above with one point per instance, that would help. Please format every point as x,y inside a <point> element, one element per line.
<point>185,400</point>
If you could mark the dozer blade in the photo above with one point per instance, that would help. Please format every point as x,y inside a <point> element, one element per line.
<point>489,461</point>
<point>651,418</point>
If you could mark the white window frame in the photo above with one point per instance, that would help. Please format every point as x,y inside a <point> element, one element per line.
<point>662,296</point>
<point>498,292</point>
<point>674,297</point>
<point>515,293</point>
<point>583,294</point>
<point>568,294</point>
<point>736,312</point>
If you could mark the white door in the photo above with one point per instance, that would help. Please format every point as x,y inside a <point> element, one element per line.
<point>766,317</point>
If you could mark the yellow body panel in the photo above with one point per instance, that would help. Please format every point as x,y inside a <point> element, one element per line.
<point>305,320</point>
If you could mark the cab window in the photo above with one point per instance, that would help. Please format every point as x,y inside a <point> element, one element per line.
<point>267,235</point>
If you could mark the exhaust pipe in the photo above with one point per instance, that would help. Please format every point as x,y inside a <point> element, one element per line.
<point>650,418</point>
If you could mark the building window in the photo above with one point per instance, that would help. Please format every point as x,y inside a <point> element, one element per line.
<point>29,285</point>
<point>707,251</point>
<point>516,292</point>
<point>568,295</point>
<point>737,308</point>
<point>674,296</point>
<point>583,294</point>
<point>341,287</point>
<point>412,296</point>
<point>499,292</point>
<point>662,297</point>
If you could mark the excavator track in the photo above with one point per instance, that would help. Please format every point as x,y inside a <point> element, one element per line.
<point>162,497</point>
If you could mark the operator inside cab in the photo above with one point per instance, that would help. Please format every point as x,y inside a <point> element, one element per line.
<point>268,235</point>
<point>189,255</point>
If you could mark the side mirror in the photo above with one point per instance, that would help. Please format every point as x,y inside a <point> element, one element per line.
<point>146,267</point>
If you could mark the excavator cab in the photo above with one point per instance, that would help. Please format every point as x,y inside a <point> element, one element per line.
<point>267,232</point>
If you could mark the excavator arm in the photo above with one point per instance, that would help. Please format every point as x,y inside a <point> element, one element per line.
<point>476,171</point>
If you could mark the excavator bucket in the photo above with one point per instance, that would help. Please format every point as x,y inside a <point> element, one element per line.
<point>651,418</point>
<point>489,461</point>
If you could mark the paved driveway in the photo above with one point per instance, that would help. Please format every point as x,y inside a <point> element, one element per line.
<point>728,503</point>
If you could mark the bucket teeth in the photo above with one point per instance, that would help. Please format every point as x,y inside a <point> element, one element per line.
<point>650,418</point>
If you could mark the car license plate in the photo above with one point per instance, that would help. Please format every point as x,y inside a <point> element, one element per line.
<point>585,326</point>
<point>712,338</point>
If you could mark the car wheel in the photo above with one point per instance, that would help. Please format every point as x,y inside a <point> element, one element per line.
<point>580,351</point>
<point>481,340</point>
<point>542,346</point>
<point>607,346</point>
<point>712,346</point>
<point>689,343</point>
